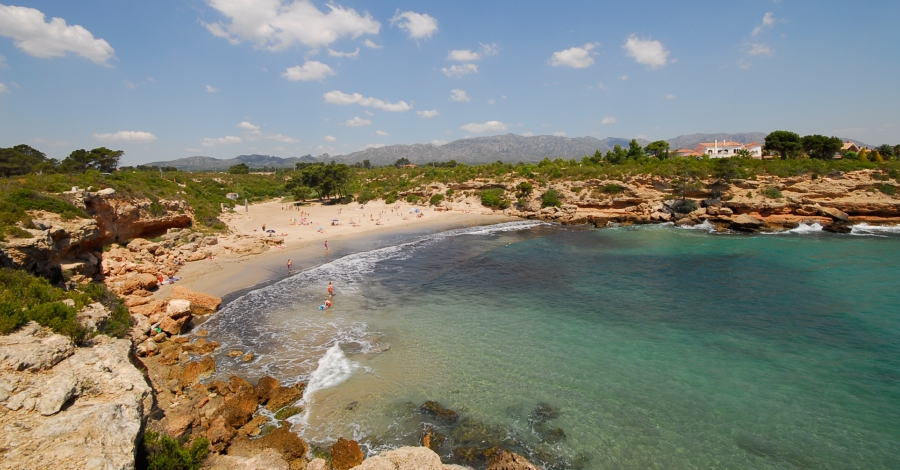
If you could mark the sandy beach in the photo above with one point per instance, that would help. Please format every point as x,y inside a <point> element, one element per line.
<point>304,231</point>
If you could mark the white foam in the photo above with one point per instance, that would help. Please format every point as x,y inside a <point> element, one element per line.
<point>334,368</point>
<point>706,225</point>
<point>814,227</point>
<point>866,229</point>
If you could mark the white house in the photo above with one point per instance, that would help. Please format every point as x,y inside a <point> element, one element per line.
<point>727,148</point>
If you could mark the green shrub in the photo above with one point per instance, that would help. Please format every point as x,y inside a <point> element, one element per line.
<point>524,189</point>
<point>551,198</point>
<point>366,195</point>
<point>771,192</point>
<point>888,189</point>
<point>494,198</point>
<point>436,199</point>
<point>685,206</point>
<point>11,317</point>
<point>612,188</point>
<point>165,453</point>
<point>412,198</point>
<point>391,197</point>
<point>450,192</point>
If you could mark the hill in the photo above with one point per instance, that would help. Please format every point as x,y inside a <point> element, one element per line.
<point>200,163</point>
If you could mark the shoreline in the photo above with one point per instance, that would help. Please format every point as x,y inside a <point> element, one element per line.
<point>231,271</point>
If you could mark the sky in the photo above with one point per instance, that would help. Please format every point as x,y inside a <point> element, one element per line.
<point>168,79</point>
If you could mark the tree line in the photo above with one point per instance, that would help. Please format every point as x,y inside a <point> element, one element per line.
<point>23,159</point>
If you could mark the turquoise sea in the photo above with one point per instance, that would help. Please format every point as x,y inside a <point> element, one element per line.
<point>615,348</point>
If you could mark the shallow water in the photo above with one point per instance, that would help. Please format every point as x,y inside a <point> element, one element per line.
<point>660,347</point>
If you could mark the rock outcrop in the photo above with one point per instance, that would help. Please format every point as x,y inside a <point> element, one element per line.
<point>67,407</point>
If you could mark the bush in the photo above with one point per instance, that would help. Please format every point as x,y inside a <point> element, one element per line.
<point>685,206</point>
<point>612,188</point>
<point>165,453</point>
<point>771,192</point>
<point>391,197</point>
<point>366,195</point>
<point>450,192</point>
<point>524,188</point>
<point>11,317</point>
<point>436,199</point>
<point>551,198</point>
<point>888,189</point>
<point>412,198</point>
<point>494,199</point>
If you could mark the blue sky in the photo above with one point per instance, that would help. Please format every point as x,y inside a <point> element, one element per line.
<point>173,78</point>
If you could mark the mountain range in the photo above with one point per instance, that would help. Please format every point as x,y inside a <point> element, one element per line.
<point>508,148</point>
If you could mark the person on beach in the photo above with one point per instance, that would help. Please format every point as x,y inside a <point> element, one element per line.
<point>328,304</point>
<point>264,227</point>
<point>290,265</point>
<point>330,289</point>
<point>326,245</point>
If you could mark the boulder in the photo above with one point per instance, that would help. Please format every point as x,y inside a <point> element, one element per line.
<point>179,424</point>
<point>439,412</point>
<point>281,440</point>
<point>281,397</point>
<point>148,309</point>
<point>267,459</point>
<point>178,308</point>
<point>56,393</point>
<point>93,316</point>
<point>201,304</point>
<point>239,408</point>
<point>264,387</point>
<point>191,374</point>
<point>508,460</point>
<point>404,458</point>
<point>33,348</point>
<point>346,454</point>
<point>317,464</point>
<point>207,367</point>
<point>173,326</point>
<point>835,214</point>
<point>219,432</point>
<point>746,223</point>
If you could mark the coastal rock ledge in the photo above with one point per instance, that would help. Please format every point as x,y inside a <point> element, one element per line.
<point>63,407</point>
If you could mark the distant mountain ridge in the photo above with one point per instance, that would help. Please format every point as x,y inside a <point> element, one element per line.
<point>508,148</point>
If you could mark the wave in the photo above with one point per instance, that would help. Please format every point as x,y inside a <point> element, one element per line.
<point>706,225</point>
<point>814,227</point>
<point>875,230</point>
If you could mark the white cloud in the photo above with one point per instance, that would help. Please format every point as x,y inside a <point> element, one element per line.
<point>373,146</point>
<point>282,138</point>
<point>277,25</point>
<point>559,134</point>
<point>467,55</point>
<point>358,122</point>
<point>527,134</point>
<point>609,120</point>
<point>371,44</point>
<point>381,133</point>
<point>458,95</point>
<point>310,70</point>
<point>34,36</point>
<point>348,55</point>
<point>3,88</point>
<point>438,143</point>
<point>250,128</point>
<point>491,101</point>
<point>601,86</point>
<point>575,57</point>
<point>339,98</point>
<point>330,138</point>
<point>744,65</point>
<point>768,21</point>
<point>368,113</point>
<point>646,51</point>
<point>418,25</point>
<point>460,70</point>
<point>130,85</point>
<point>227,140</point>
<point>428,114</point>
<point>624,77</point>
<point>2,61</point>
<point>151,79</point>
<point>212,89</point>
<point>192,150</point>
<point>671,96</point>
<point>135,137</point>
<point>490,126</point>
<point>760,49</point>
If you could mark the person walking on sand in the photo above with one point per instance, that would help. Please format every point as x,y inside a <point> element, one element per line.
<point>290,265</point>
<point>326,245</point>
<point>330,289</point>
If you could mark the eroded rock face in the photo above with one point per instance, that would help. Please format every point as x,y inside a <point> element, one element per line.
<point>84,409</point>
<point>346,454</point>
<point>201,304</point>
<point>508,460</point>
<point>404,458</point>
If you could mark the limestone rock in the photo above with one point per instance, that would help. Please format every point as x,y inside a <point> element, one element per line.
<point>26,349</point>
<point>835,214</point>
<point>201,304</point>
<point>148,309</point>
<point>239,408</point>
<point>438,411</point>
<point>191,374</point>
<point>178,308</point>
<point>264,387</point>
<point>267,459</point>
<point>746,222</point>
<point>281,397</point>
<point>93,316</point>
<point>218,431</point>
<point>404,458</point>
<point>56,393</point>
<point>508,460</point>
<point>317,464</point>
<point>173,326</point>
<point>282,440</point>
<point>346,454</point>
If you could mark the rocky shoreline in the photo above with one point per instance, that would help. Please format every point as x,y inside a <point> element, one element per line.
<point>88,407</point>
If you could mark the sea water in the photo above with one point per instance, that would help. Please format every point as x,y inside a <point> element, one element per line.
<point>623,347</point>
